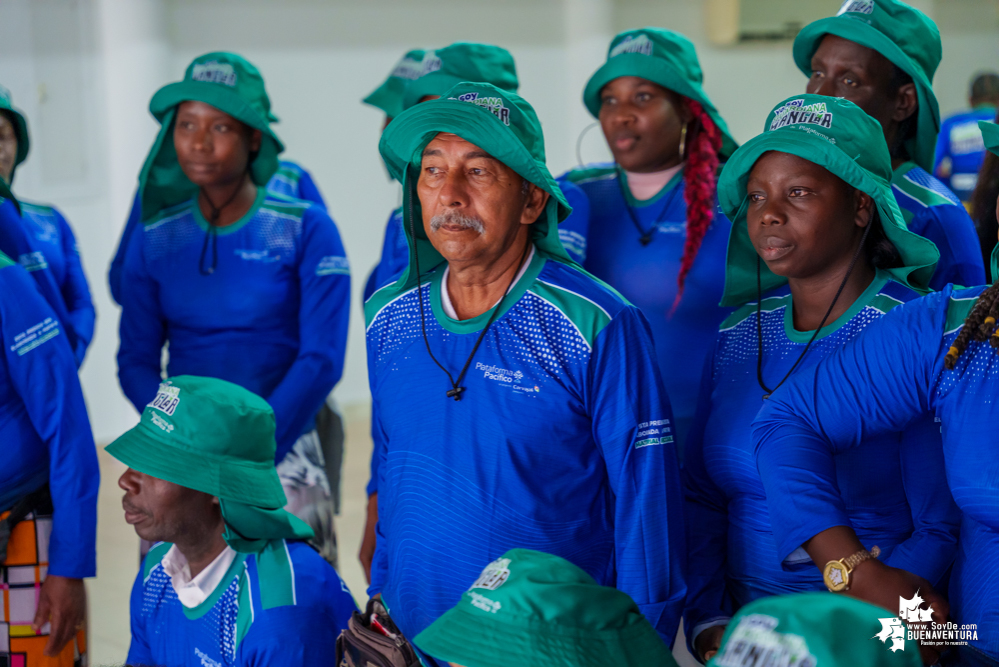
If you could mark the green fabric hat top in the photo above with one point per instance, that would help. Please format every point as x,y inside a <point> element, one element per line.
<point>902,34</point>
<point>663,57</point>
<point>532,608</point>
<point>464,61</point>
<point>388,96</point>
<point>229,83</point>
<point>813,629</point>
<point>837,135</point>
<point>20,128</point>
<point>218,438</point>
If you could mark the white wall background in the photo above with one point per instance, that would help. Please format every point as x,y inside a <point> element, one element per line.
<point>84,70</point>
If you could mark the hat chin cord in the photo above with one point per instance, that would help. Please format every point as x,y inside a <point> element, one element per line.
<point>212,231</point>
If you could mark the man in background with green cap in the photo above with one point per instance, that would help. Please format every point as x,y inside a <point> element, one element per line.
<point>231,580</point>
<point>517,400</point>
<point>531,608</point>
<point>881,55</point>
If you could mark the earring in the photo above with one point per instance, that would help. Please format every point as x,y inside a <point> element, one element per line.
<point>683,141</point>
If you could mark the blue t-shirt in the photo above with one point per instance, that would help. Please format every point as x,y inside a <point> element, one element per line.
<point>271,317</point>
<point>562,442</point>
<point>290,180</point>
<point>961,150</point>
<point>932,211</point>
<point>894,487</point>
<point>891,374</point>
<point>646,274</point>
<point>44,430</point>
<point>283,605</point>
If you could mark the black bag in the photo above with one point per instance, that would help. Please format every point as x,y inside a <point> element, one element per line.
<point>363,645</point>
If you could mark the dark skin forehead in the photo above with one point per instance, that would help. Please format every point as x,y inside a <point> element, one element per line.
<point>837,57</point>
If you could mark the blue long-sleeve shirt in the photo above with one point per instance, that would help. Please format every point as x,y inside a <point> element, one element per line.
<point>562,442</point>
<point>290,180</point>
<point>961,150</point>
<point>646,275</point>
<point>888,376</point>
<point>282,606</point>
<point>272,317</point>
<point>894,488</point>
<point>44,429</point>
<point>932,211</point>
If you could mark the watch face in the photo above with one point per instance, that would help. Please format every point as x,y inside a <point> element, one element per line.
<point>836,576</point>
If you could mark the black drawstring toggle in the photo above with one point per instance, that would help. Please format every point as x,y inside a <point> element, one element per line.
<point>455,393</point>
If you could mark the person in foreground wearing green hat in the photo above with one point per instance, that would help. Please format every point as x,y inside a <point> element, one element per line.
<point>241,284</point>
<point>818,252</point>
<point>936,354</point>
<point>516,399</point>
<point>881,55</point>
<point>814,630</point>
<point>40,239</point>
<point>655,232</point>
<point>533,608</point>
<point>231,580</point>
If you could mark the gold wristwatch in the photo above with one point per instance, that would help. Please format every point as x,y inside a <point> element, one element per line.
<point>837,572</point>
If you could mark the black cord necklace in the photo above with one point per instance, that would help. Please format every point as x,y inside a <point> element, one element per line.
<point>212,232</point>
<point>645,237</point>
<point>759,321</point>
<point>456,389</point>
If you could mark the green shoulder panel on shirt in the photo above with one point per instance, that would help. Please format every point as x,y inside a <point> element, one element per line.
<point>244,612</point>
<point>41,209</point>
<point>957,312</point>
<point>588,317</point>
<point>586,174</point>
<point>749,310</point>
<point>920,193</point>
<point>284,206</point>
<point>6,261</point>
<point>169,213</point>
<point>153,558</point>
<point>884,303</point>
<point>276,575</point>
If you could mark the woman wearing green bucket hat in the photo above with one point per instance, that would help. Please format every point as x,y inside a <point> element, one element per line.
<point>881,55</point>
<point>818,251</point>
<point>654,232</point>
<point>243,285</point>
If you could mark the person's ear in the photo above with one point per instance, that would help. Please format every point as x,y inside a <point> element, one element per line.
<point>256,138</point>
<point>534,204</point>
<point>865,209</point>
<point>906,102</point>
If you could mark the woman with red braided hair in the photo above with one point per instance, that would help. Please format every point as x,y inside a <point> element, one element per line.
<point>655,233</point>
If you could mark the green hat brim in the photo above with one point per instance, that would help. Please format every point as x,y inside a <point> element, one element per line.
<point>21,132</point>
<point>478,639</point>
<point>919,255</point>
<point>922,147</point>
<point>387,97</point>
<point>659,72</point>
<point>249,527</point>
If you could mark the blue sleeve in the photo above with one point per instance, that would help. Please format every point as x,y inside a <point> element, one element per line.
<point>936,519</point>
<point>878,383</point>
<point>142,329</point>
<point>117,270</point>
<point>942,150</point>
<point>378,444</point>
<point>706,516</point>
<point>323,316</point>
<point>138,651</point>
<point>379,563</point>
<point>574,230</point>
<point>76,292</point>
<point>41,367</point>
<point>394,258</point>
<point>290,635</point>
<point>952,230</point>
<point>307,189</point>
<point>633,427</point>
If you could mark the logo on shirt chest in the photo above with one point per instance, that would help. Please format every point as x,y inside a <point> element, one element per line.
<point>205,660</point>
<point>262,256</point>
<point>506,377</point>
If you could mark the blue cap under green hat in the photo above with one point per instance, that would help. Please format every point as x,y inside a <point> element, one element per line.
<point>229,83</point>
<point>533,608</point>
<point>388,96</point>
<point>902,34</point>
<point>663,57</point>
<point>20,128</point>
<point>812,630</point>
<point>441,69</point>
<point>215,437</point>
<point>837,135</point>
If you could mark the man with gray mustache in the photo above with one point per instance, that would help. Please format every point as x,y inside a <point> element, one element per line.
<point>517,400</point>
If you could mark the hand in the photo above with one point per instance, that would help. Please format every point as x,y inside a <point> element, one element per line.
<point>63,603</point>
<point>709,641</point>
<point>367,553</point>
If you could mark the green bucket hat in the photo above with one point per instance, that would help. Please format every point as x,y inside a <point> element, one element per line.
<point>663,57</point>
<point>388,96</point>
<point>230,84</point>
<point>902,34</point>
<point>813,629</point>
<point>532,608</point>
<point>20,128</point>
<point>464,61</point>
<point>990,134</point>
<point>218,438</point>
<point>837,135</point>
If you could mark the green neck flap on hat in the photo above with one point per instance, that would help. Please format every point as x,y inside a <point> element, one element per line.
<point>663,57</point>
<point>990,135</point>
<point>439,70</point>
<point>837,135</point>
<point>388,96</point>
<point>227,82</point>
<point>20,130</point>
<point>6,194</point>
<point>501,123</point>
<point>902,34</point>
